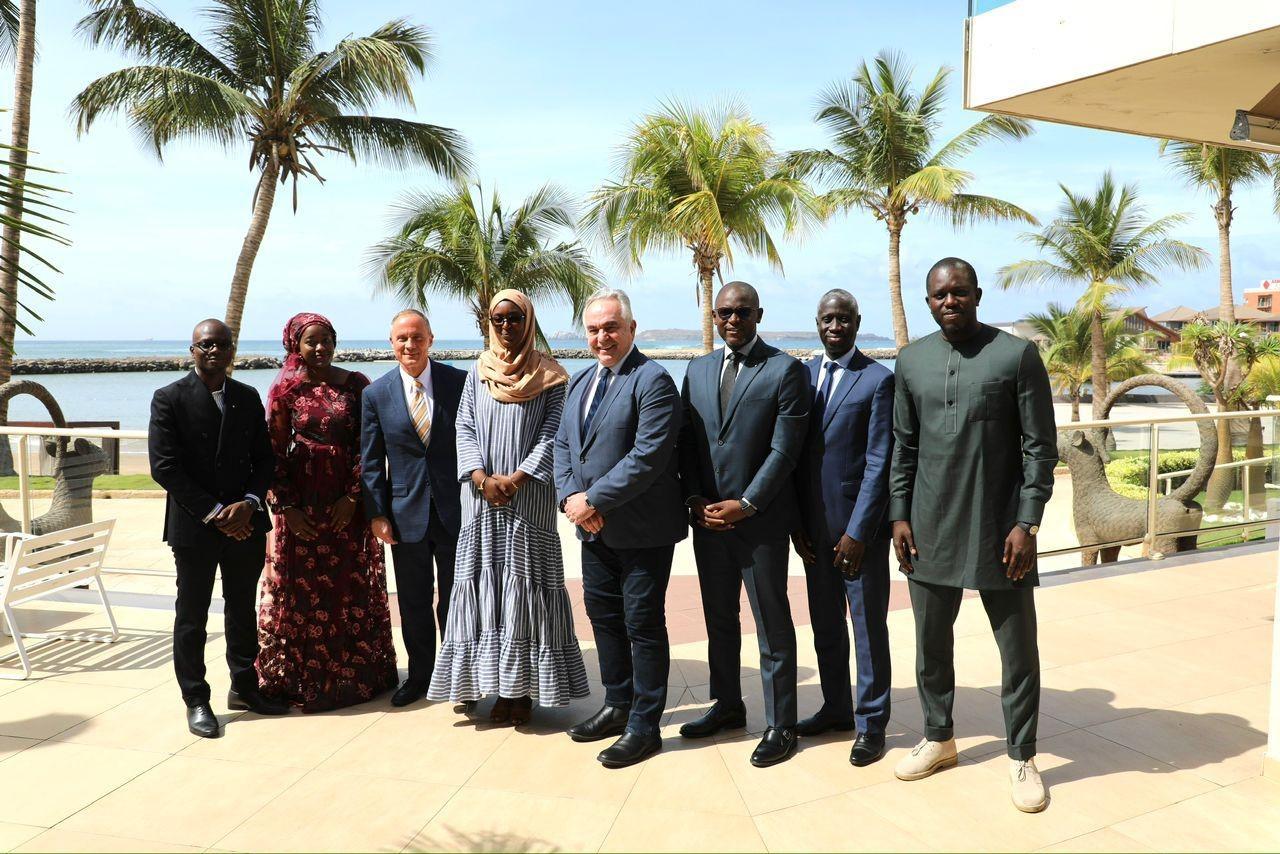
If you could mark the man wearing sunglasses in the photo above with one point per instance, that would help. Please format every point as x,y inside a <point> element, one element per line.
<point>209,449</point>
<point>746,414</point>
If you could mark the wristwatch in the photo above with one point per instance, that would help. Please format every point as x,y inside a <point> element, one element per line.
<point>747,507</point>
<point>254,502</point>
<point>1029,529</point>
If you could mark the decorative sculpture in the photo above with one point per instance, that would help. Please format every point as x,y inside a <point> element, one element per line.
<point>75,465</point>
<point>1102,516</point>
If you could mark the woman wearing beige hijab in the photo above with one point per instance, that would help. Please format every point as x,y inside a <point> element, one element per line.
<point>510,628</point>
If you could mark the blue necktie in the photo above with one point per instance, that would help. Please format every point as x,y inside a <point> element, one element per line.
<point>824,385</point>
<point>602,388</point>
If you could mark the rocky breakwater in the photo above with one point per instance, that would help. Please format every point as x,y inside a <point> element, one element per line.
<point>144,364</point>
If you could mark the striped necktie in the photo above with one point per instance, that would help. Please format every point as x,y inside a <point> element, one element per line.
<point>418,412</point>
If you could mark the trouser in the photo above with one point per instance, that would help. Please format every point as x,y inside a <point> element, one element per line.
<point>726,561</point>
<point>625,593</point>
<point>415,593</point>
<point>241,566</point>
<point>1012,614</point>
<point>867,600</point>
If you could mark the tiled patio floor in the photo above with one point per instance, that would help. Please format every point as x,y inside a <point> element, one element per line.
<point>1155,692</point>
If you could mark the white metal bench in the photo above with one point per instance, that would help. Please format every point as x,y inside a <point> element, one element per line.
<point>35,567</point>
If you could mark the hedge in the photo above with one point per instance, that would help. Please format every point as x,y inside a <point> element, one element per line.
<point>1129,476</point>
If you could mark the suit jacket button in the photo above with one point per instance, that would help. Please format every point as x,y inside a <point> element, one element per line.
<point>719,441</point>
<point>582,458</point>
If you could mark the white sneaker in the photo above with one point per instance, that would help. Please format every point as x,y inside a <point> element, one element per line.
<point>925,758</point>
<point>1027,787</point>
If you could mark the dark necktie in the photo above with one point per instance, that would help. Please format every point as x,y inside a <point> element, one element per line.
<point>824,385</point>
<point>728,379</point>
<point>602,388</point>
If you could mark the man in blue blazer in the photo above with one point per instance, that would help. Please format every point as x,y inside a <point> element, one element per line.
<point>409,464</point>
<point>844,540</point>
<point>617,480</point>
<point>746,413</point>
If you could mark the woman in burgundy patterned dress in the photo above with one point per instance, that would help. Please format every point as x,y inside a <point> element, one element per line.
<point>323,623</point>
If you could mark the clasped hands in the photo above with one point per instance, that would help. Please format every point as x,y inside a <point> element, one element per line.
<point>580,512</point>
<point>498,489</point>
<point>717,515</point>
<point>1018,557</point>
<point>340,513</point>
<point>235,520</point>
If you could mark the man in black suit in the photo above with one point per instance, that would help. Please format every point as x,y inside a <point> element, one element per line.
<point>746,415</point>
<point>210,451</point>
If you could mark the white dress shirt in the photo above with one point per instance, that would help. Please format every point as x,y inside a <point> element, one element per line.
<point>742,355</point>
<point>408,380</point>
<point>595,381</point>
<point>838,374</point>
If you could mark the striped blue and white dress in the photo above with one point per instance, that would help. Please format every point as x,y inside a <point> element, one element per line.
<point>510,627</point>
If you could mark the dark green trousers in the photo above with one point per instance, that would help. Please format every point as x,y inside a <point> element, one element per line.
<point>1013,619</point>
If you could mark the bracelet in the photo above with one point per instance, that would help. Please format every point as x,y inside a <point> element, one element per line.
<point>483,481</point>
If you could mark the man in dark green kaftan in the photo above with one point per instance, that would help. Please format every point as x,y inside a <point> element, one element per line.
<point>972,470</point>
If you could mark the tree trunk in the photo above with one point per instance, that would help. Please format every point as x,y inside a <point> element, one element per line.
<point>10,252</point>
<point>898,315</point>
<point>1222,481</point>
<point>266,194</point>
<point>1226,295</point>
<point>1075,404</point>
<point>1097,362</point>
<point>481,312</point>
<point>1256,497</point>
<point>705,273</point>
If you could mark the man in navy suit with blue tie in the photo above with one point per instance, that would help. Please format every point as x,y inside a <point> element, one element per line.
<point>617,481</point>
<point>409,465</point>
<point>844,540</point>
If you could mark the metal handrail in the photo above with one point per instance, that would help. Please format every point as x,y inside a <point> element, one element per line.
<point>1170,419</point>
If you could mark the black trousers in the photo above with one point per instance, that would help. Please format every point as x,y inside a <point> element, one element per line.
<point>727,562</point>
<point>625,591</point>
<point>241,566</point>
<point>1012,614</point>
<point>415,593</point>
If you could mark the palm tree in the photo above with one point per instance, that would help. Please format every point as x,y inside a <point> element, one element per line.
<point>701,182</point>
<point>456,245</point>
<point>882,158</point>
<point>1106,243</point>
<point>1220,171</point>
<point>1068,355</point>
<point>264,83</point>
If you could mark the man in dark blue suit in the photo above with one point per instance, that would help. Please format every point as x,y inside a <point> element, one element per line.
<point>844,489</point>
<point>746,414</point>
<point>409,466</point>
<point>617,480</point>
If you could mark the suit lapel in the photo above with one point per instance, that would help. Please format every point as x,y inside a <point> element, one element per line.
<point>203,407</point>
<point>847,382</point>
<point>230,400</point>
<point>709,390</point>
<point>395,389</point>
<point>748,372</point>
<point>573,409</point>
<point>624,374</point>
<point>438,413</point>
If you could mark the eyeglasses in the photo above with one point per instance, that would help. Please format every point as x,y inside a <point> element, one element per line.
<point>744,312</point>
<point>210,346</point>
<point>513,319</point>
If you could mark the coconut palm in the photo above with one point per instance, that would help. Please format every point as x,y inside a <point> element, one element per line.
<point>1220,171</point>
<point>1068,353</point>
<point>882,158</point>
<point>455,244</point>
<point>1106,244</point>
<point>264,85</point>
<point>702,182</point>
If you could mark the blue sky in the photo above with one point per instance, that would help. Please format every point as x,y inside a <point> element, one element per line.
<point>545,92</point>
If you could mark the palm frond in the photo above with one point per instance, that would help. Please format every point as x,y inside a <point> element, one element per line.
<point>151,37</point>
<point>397,142</point>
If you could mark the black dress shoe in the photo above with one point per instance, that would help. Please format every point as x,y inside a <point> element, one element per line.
<point>820,723</point>
<point>866,749</point>
<point>713,720</point>
<point>606,723</point>
<point>410,692</point>
<point>778,744</point>
<point>255,701</point>
<point>630,749</point>
<point>202,721</point>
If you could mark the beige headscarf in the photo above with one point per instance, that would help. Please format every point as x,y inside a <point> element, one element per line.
<point>521,374</point>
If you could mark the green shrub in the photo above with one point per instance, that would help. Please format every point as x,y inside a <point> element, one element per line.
<point>1128,476</point>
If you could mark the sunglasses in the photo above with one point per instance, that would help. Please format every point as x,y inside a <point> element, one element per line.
<point>210,346</point>
<point>513,319</point>
<point>745,312</point>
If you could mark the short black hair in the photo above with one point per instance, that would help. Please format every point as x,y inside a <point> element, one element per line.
<point>840,294</point>
<point>949,264</point>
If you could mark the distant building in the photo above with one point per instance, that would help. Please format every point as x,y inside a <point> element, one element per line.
<point>1153,335</point>
<point>1021,329</point>
<point>1176,317</point>
<point>1261,309</point>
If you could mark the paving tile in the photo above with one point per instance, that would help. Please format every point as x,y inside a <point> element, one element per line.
<point>11,746</point>
<point>689,774</point>
<point>838,823</point>
<point>47,708</point>
<point>375,814</point>
<point>294,740</point>
<point>185,800</point>
<point>429,744</point>
<point>978,718</point>
<point>1217,746</point>
<point>1241,817</point>
<point>57,839</point>
<point>486,820</point>
<point>658,829</point>
<point>140,658</point>
<point>58,779</point>
<point>154,721</point>
<point>1102,841</point>
<point>555,766</point>
<point>13,835</point>
<point>1248,707</point>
